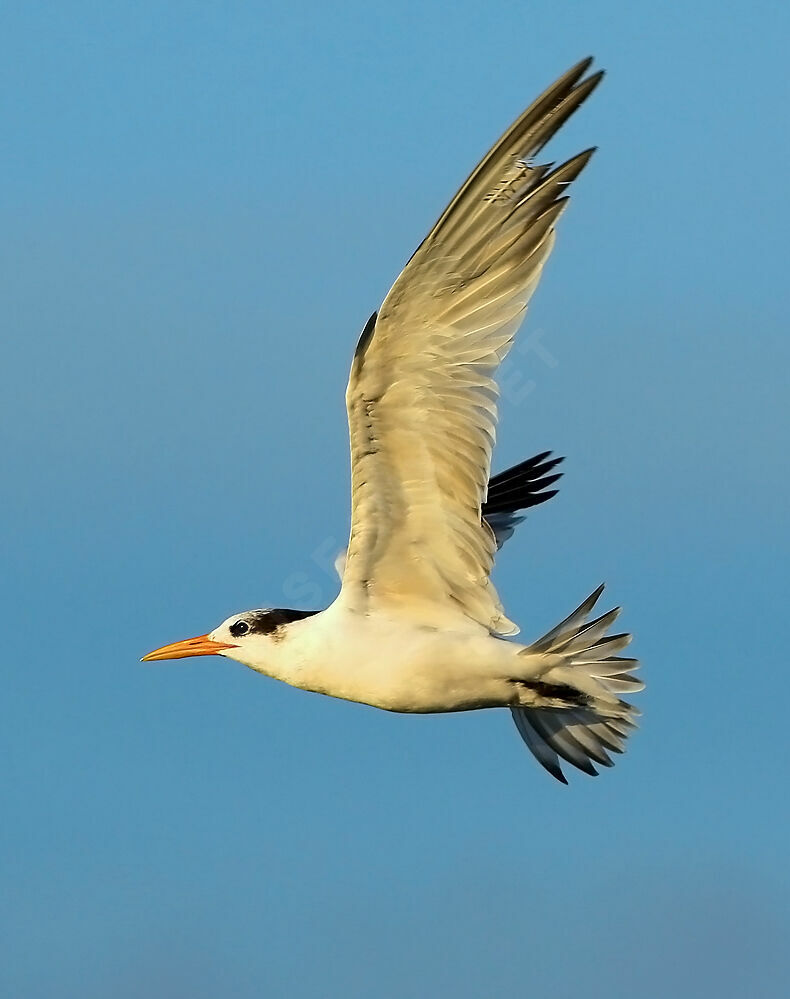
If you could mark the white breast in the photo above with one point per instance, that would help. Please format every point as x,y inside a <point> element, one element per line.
<point>391,663</point>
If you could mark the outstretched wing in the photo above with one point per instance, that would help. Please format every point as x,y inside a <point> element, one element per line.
<point>421,396</point>
<point>509,493</point>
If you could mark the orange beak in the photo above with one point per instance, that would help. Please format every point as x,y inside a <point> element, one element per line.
<point>200,646</point>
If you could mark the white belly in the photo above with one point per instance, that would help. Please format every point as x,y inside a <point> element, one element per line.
<point>394,664</point>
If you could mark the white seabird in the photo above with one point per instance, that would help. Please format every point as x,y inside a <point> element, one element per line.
<point>417,625</point>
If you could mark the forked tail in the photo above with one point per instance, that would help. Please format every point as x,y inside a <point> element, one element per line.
<point>578,714</point>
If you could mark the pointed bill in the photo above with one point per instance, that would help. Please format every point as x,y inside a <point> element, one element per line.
<point>200,646</point>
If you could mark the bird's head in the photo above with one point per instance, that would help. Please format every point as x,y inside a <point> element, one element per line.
<point>246,637</point>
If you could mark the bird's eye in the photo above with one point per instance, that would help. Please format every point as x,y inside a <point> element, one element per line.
<point>239,628</point>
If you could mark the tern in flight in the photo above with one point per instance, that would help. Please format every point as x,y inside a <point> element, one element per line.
<point>417,625</point>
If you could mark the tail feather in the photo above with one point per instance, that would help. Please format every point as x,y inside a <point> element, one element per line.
<point>570,627</point>
<point>540,749</point>
<point>592,632</point>
<point>594,721</point>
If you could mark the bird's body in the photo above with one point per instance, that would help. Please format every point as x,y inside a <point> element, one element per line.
<point>392,661</point>
<point>418,625</point>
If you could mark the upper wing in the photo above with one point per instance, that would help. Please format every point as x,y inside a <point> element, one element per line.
<point>518,488</point>
<point>421,396</point>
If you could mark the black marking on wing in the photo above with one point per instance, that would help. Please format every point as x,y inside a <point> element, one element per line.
<point>366,336</point>
<point>522,486</point>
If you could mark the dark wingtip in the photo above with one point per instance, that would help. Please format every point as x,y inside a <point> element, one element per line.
<point>547,480</point>
<point>523,486</point>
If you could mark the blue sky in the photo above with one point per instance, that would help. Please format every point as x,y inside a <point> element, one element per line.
<point>202,204</point>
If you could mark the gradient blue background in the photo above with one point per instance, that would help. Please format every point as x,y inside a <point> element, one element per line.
<point>201,205</point>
